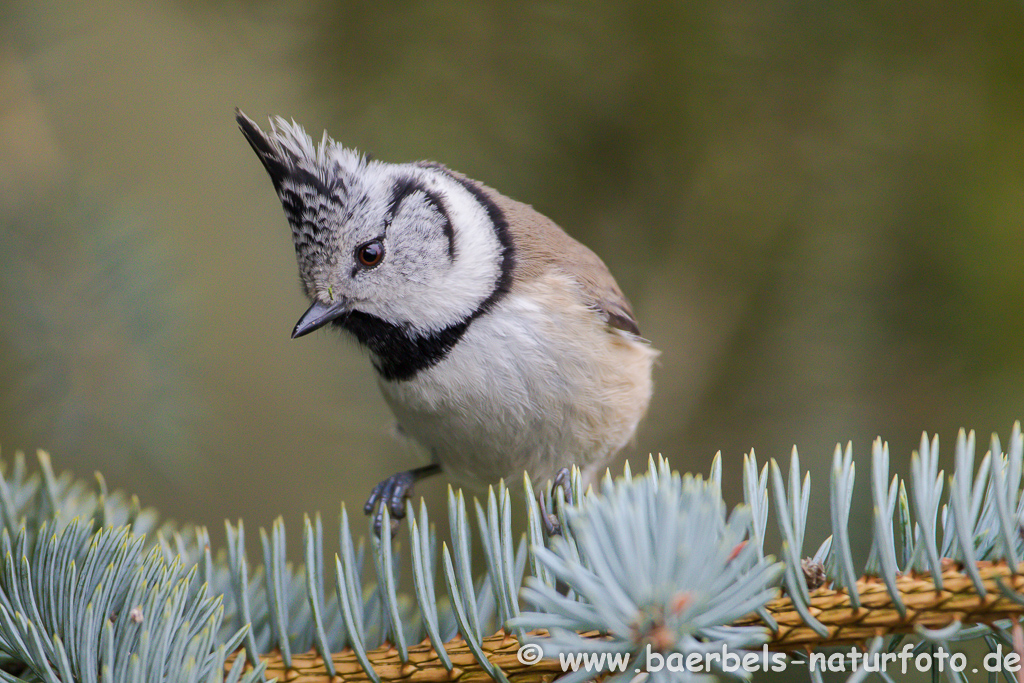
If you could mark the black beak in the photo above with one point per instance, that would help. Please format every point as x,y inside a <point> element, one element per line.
<point>319,315</point>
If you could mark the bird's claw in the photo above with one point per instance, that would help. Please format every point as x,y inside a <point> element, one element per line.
<point>562,480</point>
<point>392,494</point>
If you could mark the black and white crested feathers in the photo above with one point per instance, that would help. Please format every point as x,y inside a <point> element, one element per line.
<point>289,154</point>
<point>447,253</point>
<point>311,180</point>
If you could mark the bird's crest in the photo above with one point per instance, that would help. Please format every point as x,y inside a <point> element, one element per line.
<point>312,180</point>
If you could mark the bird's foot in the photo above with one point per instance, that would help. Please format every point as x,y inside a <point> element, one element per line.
<point>563,480</point>
<point>392,493</point>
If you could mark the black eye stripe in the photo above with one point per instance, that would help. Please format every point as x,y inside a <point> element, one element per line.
<point>408,186</point>
<point>402,189</point>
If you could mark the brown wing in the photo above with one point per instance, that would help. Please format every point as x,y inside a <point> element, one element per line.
<point>540,244</point>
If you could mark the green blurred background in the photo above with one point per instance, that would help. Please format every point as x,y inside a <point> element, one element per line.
<point>815,208</point>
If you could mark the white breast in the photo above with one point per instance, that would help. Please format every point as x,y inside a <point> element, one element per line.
<point>524,390</point>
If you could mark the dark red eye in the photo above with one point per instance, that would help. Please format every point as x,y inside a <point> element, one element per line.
<point>370,254</point>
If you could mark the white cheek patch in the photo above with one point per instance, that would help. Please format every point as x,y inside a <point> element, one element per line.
<point>452,290</point>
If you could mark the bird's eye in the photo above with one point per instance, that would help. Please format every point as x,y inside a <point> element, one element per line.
<point>370,254</point>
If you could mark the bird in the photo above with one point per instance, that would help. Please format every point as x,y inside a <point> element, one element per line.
<point>501,344</point>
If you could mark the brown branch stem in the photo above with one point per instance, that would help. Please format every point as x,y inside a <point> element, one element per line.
<point>957,601</point>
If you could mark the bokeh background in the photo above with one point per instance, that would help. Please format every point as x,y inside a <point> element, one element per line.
<point>815,207</point>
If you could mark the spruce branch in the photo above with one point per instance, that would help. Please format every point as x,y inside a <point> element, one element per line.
<point>924,605</point>
<point>93,587</point>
